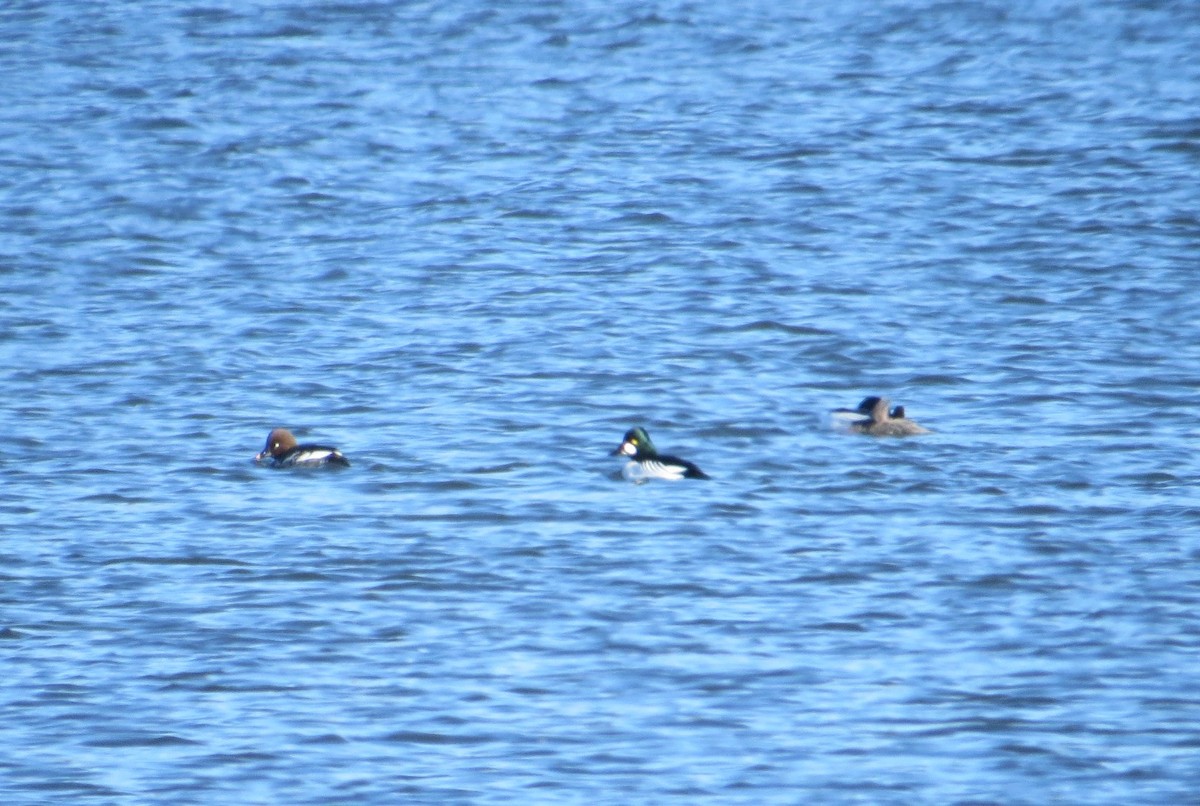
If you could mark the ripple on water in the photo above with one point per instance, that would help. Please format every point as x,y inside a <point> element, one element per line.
<point>719,225</point>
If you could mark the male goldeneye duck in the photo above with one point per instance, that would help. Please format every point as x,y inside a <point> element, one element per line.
<point>846,418</point>
<point>884,423</point>
<point>283,451</point>
<point>648,463</point>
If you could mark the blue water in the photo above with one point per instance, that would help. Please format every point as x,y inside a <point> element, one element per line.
<point>471,245</point>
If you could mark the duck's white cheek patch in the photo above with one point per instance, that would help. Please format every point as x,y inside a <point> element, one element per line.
<point>628,448</point>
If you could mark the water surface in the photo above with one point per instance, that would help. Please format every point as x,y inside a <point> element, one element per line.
<point>471,246</point>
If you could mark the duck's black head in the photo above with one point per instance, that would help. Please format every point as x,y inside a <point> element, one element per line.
<point>636,443</point>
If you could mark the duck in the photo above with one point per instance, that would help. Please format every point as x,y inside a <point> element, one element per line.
<point>887,423</point>
<point>647,463</point>
<point>846,418</point>
<point>283,451</point>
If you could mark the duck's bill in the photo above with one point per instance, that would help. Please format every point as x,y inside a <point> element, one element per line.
<point>258,457</point>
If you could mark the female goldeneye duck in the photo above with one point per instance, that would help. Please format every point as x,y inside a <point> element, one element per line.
<point>847,418</point>
<point>283,451</point>
<point>884,423</point>
<point>648,463</point>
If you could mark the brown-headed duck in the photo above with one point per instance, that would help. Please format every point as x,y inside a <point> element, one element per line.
<point>885,423</point>
<point>282,451</point>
